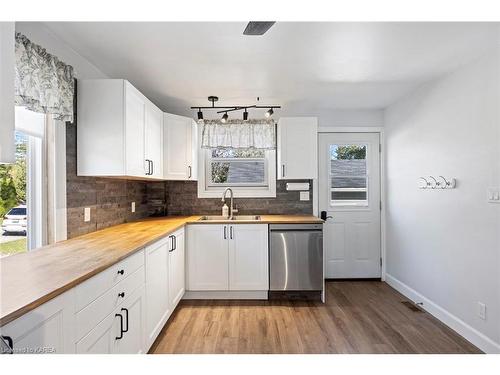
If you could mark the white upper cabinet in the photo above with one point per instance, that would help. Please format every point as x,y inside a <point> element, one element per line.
<point>119,131</point>
<point>297,155</point>
<point>7,63</point>
<point>180,142</point>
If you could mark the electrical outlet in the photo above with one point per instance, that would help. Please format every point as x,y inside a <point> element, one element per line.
<point>494,195</point>
<point>304,195</point>
<point>86,214</point>
<point>133,207</point>
<point>481,310</point>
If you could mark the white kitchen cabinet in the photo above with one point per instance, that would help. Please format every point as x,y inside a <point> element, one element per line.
<point>101,340</point>
<point>248,257</point>
<point>228,257</point>
<point>180,145</point>
<point>50,328</point>
<point>157,287</point>
<point>119,131</point>
<point>132,328</point>
<point>7,64</point>
<point>207,257</point>
<point>297,148</point>
<point>176,268</point>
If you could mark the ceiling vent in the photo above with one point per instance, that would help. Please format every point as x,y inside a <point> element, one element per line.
<point>257,27</point>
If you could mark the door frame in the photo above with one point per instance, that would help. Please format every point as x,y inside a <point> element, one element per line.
<point>360,129</point>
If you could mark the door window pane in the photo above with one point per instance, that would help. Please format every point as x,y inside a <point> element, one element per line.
<point>348,175</point>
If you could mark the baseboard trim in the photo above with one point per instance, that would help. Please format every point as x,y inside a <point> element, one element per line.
<point>223,294</point>
<point>471,334</point>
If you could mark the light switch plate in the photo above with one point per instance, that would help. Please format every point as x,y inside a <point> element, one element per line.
<point>86,214</point>
<point>481,310</point>
<point>133,207</point>
<point>494,195</point>
<point>304,195</point>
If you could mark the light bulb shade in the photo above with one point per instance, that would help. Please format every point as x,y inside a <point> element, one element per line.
<point>224,118</point>
<point>245,116</point>
<point>269,113</point>
<point>200,115</point>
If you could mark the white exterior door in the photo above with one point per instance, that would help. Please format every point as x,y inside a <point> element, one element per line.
<point>349,191</point>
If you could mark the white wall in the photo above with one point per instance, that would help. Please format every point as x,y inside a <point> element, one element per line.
<point>39,34</point>
<point>443,247</point>
<point>351,117</point>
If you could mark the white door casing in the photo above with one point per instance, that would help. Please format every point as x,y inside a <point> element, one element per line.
<point>352,233</point>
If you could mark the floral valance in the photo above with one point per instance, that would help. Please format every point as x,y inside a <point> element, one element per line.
<point>43,83</point>
<point>237,134</point>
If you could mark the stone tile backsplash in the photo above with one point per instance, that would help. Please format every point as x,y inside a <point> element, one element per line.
<point>110,199</point>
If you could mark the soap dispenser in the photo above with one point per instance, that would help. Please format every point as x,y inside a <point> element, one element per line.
<point>225,211</point>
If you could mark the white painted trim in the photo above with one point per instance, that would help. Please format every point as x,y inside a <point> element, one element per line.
<point>223,294</point>
<point>363,129</point>
<point>469,333</point>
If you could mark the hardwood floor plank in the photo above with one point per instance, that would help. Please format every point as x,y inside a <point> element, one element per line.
<point>358,317</point>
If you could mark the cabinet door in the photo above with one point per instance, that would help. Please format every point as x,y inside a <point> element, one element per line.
<point>47,329</point>
<point>178,150</point>
<point>154,139</point>
<point>176,266</point>
<point>297,148</point>
<point>135,115</point>
<point>101,340</point>
<point>157,301</point>
<point>133,312</point>
<point>248,257</point>
<point>207,257</point>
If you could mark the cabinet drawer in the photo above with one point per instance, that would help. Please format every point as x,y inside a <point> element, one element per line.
<point>91,315</point>
<point>102,282</point>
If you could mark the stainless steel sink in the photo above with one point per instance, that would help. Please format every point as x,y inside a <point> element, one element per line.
<point>235,218</point>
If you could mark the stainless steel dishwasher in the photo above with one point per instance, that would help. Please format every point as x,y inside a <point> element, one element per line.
<point>296,257</point>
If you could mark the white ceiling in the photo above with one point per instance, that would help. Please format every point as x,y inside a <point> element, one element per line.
<point>305,67</point>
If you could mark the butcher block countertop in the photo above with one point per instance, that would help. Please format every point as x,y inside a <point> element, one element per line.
<point>30,279</point>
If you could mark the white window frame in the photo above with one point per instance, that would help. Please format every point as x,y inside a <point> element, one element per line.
<point>207,190</point>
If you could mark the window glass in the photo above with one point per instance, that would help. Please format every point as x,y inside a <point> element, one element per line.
<point>246,167</point>
<point>348,175</point>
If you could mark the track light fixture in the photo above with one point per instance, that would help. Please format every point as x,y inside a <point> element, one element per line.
<point>269,113</point>
<point>225,109</point>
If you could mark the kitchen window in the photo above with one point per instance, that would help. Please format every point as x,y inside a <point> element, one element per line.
<point>249,172</point>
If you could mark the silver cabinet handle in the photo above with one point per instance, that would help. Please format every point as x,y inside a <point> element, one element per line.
<point>190,172</point>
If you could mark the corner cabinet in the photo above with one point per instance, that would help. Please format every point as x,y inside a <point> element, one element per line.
<point>119,131</point>
<point>228,257</point>
<point>297,148</point>
<point>180,142</point>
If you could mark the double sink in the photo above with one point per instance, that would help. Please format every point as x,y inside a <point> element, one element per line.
<point>234,218</point>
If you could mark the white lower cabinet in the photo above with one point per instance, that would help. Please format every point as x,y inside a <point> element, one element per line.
<point>176,268</point>
<point>50,328</point>
<point>248,257</point>
<point>208,257</point>
<point>131,317</point>
<point>228,257</point>
<point>157,299</point>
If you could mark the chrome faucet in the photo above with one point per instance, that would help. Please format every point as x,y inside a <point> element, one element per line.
<point>231,209</point>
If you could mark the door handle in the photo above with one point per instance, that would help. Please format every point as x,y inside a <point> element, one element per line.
<point>324,216</point>
<point>126,318</point>
<point>121,327</point>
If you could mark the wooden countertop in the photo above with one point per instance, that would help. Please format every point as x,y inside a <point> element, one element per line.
<point>30,279</point>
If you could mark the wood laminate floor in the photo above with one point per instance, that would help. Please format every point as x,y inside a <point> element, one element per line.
<point>358,317</point>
